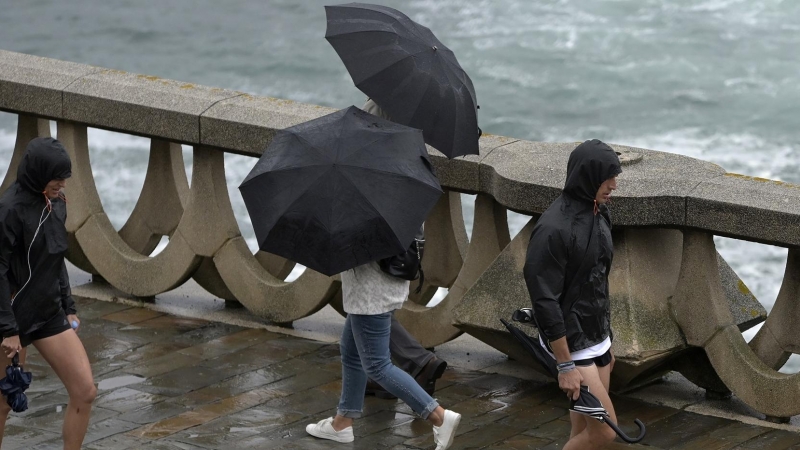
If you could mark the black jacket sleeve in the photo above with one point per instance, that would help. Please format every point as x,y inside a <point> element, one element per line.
<point>545,271</point>
<point>10,230</point>
<point>67,302</point>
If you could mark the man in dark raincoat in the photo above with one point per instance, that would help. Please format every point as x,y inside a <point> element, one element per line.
<point>36,305</point>
<point>566,271</point>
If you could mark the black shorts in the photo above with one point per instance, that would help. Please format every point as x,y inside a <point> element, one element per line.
<point>600,361</point>
<point>57,325</point>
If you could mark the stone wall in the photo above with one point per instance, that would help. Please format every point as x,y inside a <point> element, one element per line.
<point>676,304</point>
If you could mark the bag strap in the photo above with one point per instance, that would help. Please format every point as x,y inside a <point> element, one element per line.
<point>421,272</point>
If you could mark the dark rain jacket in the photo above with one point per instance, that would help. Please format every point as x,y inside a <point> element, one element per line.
<point>34,285</point>
<point>570,253</point>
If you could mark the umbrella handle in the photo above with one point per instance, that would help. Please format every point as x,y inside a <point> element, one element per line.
<point>625,437</point>
<point>15,359</point>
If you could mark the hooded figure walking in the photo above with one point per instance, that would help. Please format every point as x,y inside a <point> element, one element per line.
<point>36,305</point>
<point>566,271</point>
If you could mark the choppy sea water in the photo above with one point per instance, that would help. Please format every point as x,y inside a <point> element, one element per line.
<point>711,79</point>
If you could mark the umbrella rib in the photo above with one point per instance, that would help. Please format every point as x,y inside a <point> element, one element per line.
<point>287,169</point>
<point>396,20</point>
<point>416,180</point>
<point>368,202</point>
<point>391,66</point>
<point>363,147</point>
<point>419,105</point>
<point>322,152</point>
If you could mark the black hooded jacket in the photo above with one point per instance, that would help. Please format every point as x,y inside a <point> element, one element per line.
<point>570,253</point>
<point>34,285</point>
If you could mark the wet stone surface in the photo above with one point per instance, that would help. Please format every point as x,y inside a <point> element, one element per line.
<point>169,383</point>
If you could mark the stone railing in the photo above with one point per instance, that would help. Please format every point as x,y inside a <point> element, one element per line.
<point>676,304</point>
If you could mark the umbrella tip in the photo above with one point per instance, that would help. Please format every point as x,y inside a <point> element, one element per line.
<point>435,48</point>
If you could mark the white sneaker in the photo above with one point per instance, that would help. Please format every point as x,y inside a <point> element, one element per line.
<point>324,430</point>
<point>443,435</point>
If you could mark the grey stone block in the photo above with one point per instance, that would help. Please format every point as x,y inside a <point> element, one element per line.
<point>141,104</point>
<point>754,209</point>
<point>463,173</point>
<point>33,84</point>
<point>765,390</point>
<point>246,124</point>
<point>643,278</point>
<point>527,176</point>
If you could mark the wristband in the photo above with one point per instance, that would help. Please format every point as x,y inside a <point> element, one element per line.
<point>565,367</point>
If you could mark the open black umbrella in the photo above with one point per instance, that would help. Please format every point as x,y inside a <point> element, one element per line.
<point>340,191</point>
<point>15,383</point>
<point>408,72</point>
<point>591,406</point>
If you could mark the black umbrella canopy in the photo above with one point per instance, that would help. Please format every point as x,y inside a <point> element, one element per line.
<point>340,191</point>
<point>408,72</point>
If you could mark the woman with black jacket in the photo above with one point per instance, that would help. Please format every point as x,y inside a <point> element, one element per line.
<point>566,271</point>
<point>36,306</point>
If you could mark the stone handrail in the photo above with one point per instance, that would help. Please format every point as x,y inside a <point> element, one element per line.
<point>676,304</point>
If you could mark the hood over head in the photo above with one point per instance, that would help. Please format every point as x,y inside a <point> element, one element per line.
<point>589,166</point>
<point>45,160</point>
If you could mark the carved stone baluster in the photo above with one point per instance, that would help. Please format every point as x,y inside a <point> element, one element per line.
<point>97,243</point>
<point>164,196</point>
<point>700,309</point>
<point>433,326</point>
<point>778,338</point>
<point>446,245</point>
<point>28,127</point>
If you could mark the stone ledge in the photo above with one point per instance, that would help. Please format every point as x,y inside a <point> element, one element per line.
<point>32,84</point>
<point>140,104</point>
<point>656,189</point>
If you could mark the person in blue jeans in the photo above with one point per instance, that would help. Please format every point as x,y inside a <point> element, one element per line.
<point>369,297</point>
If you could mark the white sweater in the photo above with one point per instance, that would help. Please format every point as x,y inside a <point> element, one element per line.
<point>367,290</point>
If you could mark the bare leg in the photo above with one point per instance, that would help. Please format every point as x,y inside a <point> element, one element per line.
<point>578,422</point>
<point>595,435</point>
<point>66,355</point>
<point>4,408</point>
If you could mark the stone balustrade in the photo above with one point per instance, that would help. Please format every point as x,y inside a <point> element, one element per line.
<point>677,305</point>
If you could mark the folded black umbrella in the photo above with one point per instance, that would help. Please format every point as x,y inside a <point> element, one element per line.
<point>533,347</point>
<point>408,72</point>
<point>591,406</point>
<point>341,191</point>
<point>14,384</point>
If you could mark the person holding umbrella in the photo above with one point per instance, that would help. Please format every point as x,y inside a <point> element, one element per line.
<point>405,350</point>
<point>566,272</point>
<point>338,194</point>
<point>36,306</point>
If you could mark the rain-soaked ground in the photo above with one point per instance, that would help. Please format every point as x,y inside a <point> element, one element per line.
<point>167,382</point>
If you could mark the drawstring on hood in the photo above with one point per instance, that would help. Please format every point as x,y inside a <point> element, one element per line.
<point>589,166</point>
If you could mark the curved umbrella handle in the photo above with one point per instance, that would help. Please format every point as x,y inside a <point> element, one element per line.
<point>625,437</point>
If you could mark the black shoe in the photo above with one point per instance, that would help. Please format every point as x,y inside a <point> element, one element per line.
<point>378,391</point>
<point>430,373</point>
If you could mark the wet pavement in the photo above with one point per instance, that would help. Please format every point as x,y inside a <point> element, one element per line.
<point>168,382</point>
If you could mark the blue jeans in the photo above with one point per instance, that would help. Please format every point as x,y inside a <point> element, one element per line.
<point>365,353</point>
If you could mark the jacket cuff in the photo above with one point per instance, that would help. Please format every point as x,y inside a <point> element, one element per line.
<point>556,336</point>
<point>10,333</point>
